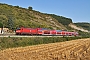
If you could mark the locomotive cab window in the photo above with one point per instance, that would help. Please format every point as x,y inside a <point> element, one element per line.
<point>18,29</point>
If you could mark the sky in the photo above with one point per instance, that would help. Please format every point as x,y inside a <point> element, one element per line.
<point>77,10</point>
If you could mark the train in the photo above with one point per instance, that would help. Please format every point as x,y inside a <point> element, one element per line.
<point>44,31</point>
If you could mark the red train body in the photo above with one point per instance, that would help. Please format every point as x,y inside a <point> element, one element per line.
<point>42,31</point>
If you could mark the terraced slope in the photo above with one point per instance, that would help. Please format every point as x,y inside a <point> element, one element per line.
<point>70,50</point>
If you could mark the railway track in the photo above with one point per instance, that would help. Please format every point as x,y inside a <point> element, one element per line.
<point>13,35</point>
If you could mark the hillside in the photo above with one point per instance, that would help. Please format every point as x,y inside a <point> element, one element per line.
<point>80,28</point>
<point>69,50</point>
<point>15,16</point>
<point>68,23</point>
<point>65,21</point>
<point>84,25</point>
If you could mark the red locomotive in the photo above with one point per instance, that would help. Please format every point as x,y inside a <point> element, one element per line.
<point>43,31</point>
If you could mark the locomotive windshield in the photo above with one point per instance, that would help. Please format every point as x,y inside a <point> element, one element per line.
<point>18,29</point>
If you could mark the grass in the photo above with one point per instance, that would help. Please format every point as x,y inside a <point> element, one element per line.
<point>11,42</point>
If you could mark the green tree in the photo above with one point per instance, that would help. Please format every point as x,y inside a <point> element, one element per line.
<point>30,8</point>
<point>10,23</point>
<point>1,25</point>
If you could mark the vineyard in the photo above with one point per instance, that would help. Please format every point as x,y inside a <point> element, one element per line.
<point>69,50</point>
